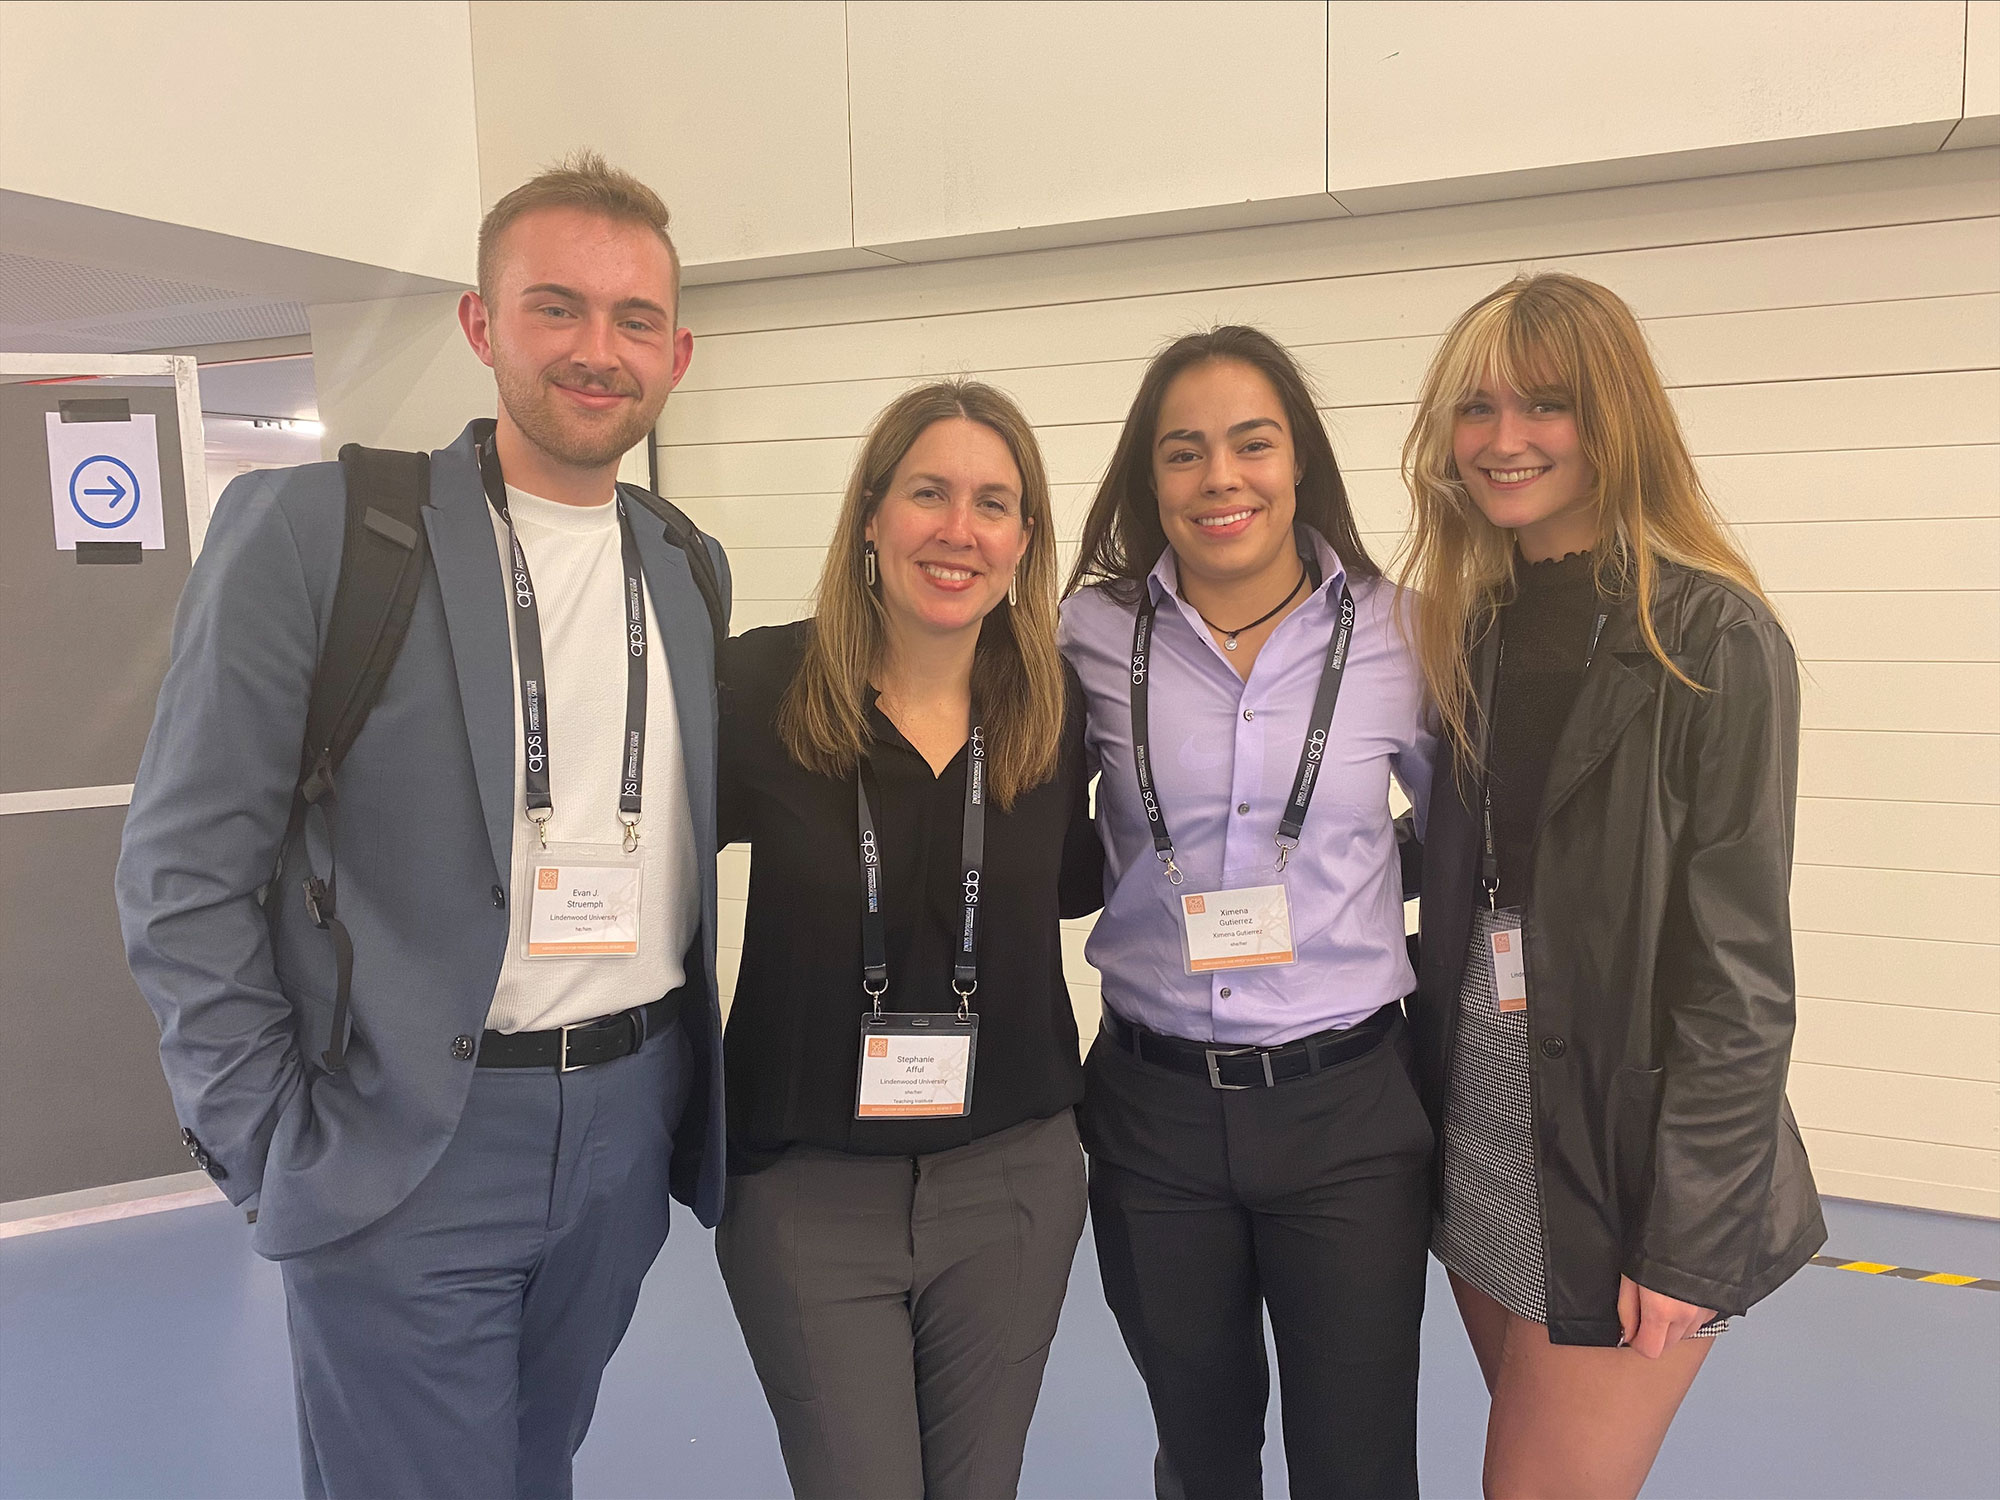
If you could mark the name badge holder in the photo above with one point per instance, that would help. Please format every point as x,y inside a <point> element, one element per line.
<point>919,1065</point>
<point>1504,944</point>
<point>1247,923</point>
<point>583,899</point>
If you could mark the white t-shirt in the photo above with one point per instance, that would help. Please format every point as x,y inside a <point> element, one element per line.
<point>574,556</point>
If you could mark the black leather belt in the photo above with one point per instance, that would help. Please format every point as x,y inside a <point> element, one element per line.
<point>587,1043</point>
<point>1253,1067</point>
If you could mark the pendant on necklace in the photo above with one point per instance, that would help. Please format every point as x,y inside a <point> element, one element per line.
<point>1230,644</point>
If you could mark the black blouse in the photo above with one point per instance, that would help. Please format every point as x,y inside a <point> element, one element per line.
<point>794,1031</point>
<point>1546,631</point>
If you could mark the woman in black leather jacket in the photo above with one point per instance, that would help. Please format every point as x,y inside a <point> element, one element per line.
<point>1605,1003</point>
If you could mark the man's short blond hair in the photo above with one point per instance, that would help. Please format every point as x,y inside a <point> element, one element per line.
<point>584,180</point>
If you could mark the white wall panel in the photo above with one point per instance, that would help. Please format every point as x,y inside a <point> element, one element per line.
<point>1955,837</point>
<point>1981,125</point>
<point>1440,103</point>
<point>1945,975</point>
<point>1953,1179</point>
<point>1919,1040</point>
<point>1890,765</point>
<point>342,129</point>
<point>774,197</point>
<point>984,119</point>
<point>1833,336</point>
<point>1718,212</point>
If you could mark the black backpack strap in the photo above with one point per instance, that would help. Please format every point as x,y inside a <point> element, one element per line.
<point>685,535</point>
<point>382,563</point>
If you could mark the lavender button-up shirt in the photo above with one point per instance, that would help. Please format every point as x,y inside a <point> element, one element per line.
<point>1225,751</point>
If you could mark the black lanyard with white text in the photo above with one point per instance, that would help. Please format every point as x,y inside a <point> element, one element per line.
<point>1489,854</point>
<point>1310,757</point>
<point>874,931</point>
<point>532,671</point>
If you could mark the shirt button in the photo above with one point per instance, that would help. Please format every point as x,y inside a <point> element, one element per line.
<point>1249,713</point>
<point>1554,1046</point>
<point>1225,992</point>
<point>1243,807</point>
<point>462,1046</point>
<point>499,896</point>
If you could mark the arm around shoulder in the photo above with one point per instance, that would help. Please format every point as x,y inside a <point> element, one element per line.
<point>208,814</point>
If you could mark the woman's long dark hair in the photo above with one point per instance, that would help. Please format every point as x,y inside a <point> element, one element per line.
<point>1122,536</point>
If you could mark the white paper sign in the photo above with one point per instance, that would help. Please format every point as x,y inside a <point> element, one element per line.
<point>104,479</point>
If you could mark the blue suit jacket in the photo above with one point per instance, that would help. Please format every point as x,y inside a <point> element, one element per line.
<point>243,983</point>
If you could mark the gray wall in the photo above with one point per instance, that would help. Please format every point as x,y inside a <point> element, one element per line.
<point>82,650</point>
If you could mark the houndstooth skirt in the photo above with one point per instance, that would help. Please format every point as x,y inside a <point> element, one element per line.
<point>1489,1229</point>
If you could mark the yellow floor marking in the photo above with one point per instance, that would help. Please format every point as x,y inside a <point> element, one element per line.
<point>1866,1265</point>
<point>1945,1278</point>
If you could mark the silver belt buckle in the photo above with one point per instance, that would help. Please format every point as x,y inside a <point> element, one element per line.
<point>1212,1054</point>
<point>564,1065</point>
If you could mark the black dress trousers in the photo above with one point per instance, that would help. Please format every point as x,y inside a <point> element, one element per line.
<point>1311,1199</point>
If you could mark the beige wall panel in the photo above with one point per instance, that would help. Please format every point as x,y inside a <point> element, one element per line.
<point>1947,697</point>
<point>1888,766</point>
<point>1847,965</point>
<point>1418,112</point>
<point>1805,202</point>
<point>746,181</point>
<point>1958,554</point>
<point>1919,1174</point>
<point>1896,903</point>
<point>1868,1101</point>
<point>1893,411</point>
<point>1335,304</point>
<point>1953,837</point>
<point>396,373</point>
<point>972,119</point>
<point>1981,125</point>
<point>1856,484</point>
<point>1916,335</point>
<point>1961,626</point>
<point>342,129</point>
<point>1899,1039</point>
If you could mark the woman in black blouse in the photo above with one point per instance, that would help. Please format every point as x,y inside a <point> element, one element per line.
<point>907,1190</point>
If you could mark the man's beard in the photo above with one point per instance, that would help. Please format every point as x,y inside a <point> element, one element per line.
<point>571,438</point>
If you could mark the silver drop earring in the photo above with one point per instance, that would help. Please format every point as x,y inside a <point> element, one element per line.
<point>1014,591</point>
<point>868,563</point>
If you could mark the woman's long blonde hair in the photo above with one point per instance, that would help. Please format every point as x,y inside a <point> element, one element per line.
<point>1017,675</point>
<point>1550,335</point>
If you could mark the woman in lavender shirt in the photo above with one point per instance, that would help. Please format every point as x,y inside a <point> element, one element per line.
<point>1256,1144</point>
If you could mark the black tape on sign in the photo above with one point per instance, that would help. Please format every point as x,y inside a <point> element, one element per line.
<point>109,552</point>
<point>97,409</point>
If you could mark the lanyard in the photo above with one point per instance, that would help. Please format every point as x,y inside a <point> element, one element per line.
<point>874,932</point>
<point>532,672</point>
<point>1303,782</point>
<point>1489,855</point>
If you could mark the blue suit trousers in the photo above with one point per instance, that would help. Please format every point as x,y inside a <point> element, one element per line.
<point>455,1346</point>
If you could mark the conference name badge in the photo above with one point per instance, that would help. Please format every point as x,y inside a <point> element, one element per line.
<point>583,902</point>
<point>1507,951</point>
<point>916,1067</point>
<point>1249,927</point>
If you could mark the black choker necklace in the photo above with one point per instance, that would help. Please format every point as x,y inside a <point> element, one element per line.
<point>1230,644</point>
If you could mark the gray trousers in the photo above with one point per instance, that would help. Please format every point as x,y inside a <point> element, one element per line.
<point>899,1309</point>
<point>453,1348</point>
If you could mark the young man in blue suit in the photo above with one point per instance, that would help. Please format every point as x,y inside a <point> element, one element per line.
<point>466,1176</point>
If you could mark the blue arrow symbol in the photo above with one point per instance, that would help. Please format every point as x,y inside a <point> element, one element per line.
<point>116,492</point>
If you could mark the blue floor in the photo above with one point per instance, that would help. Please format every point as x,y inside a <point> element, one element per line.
<point>146,1358</point>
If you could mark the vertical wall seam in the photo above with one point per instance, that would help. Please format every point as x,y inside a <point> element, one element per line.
<point>847,64</point>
